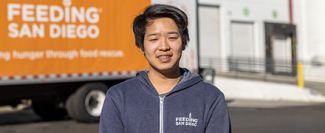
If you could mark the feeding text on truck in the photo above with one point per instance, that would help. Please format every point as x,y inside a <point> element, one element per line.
<point>33,15</point>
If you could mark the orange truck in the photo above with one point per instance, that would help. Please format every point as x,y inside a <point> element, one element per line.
<point>64,54</point>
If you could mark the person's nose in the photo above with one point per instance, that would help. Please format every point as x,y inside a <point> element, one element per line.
<point>164,45</point>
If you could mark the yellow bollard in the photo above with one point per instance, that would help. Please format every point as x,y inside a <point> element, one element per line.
<point>300,75</point>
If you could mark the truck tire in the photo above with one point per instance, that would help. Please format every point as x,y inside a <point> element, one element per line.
<point>48,110</point>
<point>86,103</point>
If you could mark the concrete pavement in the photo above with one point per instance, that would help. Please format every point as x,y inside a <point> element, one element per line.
<point>265,91</point>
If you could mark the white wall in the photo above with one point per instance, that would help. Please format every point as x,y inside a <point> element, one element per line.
<point>309,18</point>
<point>315,21</point>
<point>259,11</point>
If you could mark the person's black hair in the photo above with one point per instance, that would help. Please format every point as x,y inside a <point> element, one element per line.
<point>160,11</point>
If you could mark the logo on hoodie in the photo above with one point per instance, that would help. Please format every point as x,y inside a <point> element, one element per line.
<point>186,121</point>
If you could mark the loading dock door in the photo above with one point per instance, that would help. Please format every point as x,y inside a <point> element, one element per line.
<point>209,34</point>
<point>281,57</point>
<point>281,53</point>
<point>242,46</point>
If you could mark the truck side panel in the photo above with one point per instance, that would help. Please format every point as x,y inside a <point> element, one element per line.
<point>68,38</point>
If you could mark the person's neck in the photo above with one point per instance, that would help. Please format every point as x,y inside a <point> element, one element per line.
<point>164,81</point>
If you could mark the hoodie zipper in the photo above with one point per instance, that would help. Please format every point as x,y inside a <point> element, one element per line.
<point>161,114</point>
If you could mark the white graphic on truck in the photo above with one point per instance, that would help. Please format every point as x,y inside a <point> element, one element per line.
<point>54,21</point>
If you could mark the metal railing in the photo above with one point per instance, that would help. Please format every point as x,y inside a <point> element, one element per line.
<point>264,69</point>
<point>256,68</point>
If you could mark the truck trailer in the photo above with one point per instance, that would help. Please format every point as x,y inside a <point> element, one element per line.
<point>63,55</point>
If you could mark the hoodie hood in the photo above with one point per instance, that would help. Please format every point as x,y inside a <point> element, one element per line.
<point>188,79</point>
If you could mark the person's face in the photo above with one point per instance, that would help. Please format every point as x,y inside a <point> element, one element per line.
<point>162,44</point>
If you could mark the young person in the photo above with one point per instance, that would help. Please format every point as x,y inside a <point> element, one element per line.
<point>165,98</point>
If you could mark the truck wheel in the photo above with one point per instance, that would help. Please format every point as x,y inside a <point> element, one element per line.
<point>48,110</point>
<point>86,104</point>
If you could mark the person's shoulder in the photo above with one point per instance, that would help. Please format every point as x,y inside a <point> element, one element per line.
<point>209,89</point>
<point>123,86</point>
<point>211,93</point>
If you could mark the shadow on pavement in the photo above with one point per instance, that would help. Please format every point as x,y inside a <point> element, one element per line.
<point>23,116</point>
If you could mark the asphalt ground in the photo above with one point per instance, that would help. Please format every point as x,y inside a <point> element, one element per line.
<point>247,116</point>
<point>285,119</point>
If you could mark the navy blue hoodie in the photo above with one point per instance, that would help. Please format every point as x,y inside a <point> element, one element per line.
<point>192,106</point>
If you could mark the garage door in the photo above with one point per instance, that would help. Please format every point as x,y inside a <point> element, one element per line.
<point>209,34</point>
<point>242,46</point>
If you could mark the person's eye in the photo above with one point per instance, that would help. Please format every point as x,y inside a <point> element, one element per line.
<point>173,38</point>
<point>153,39</point>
